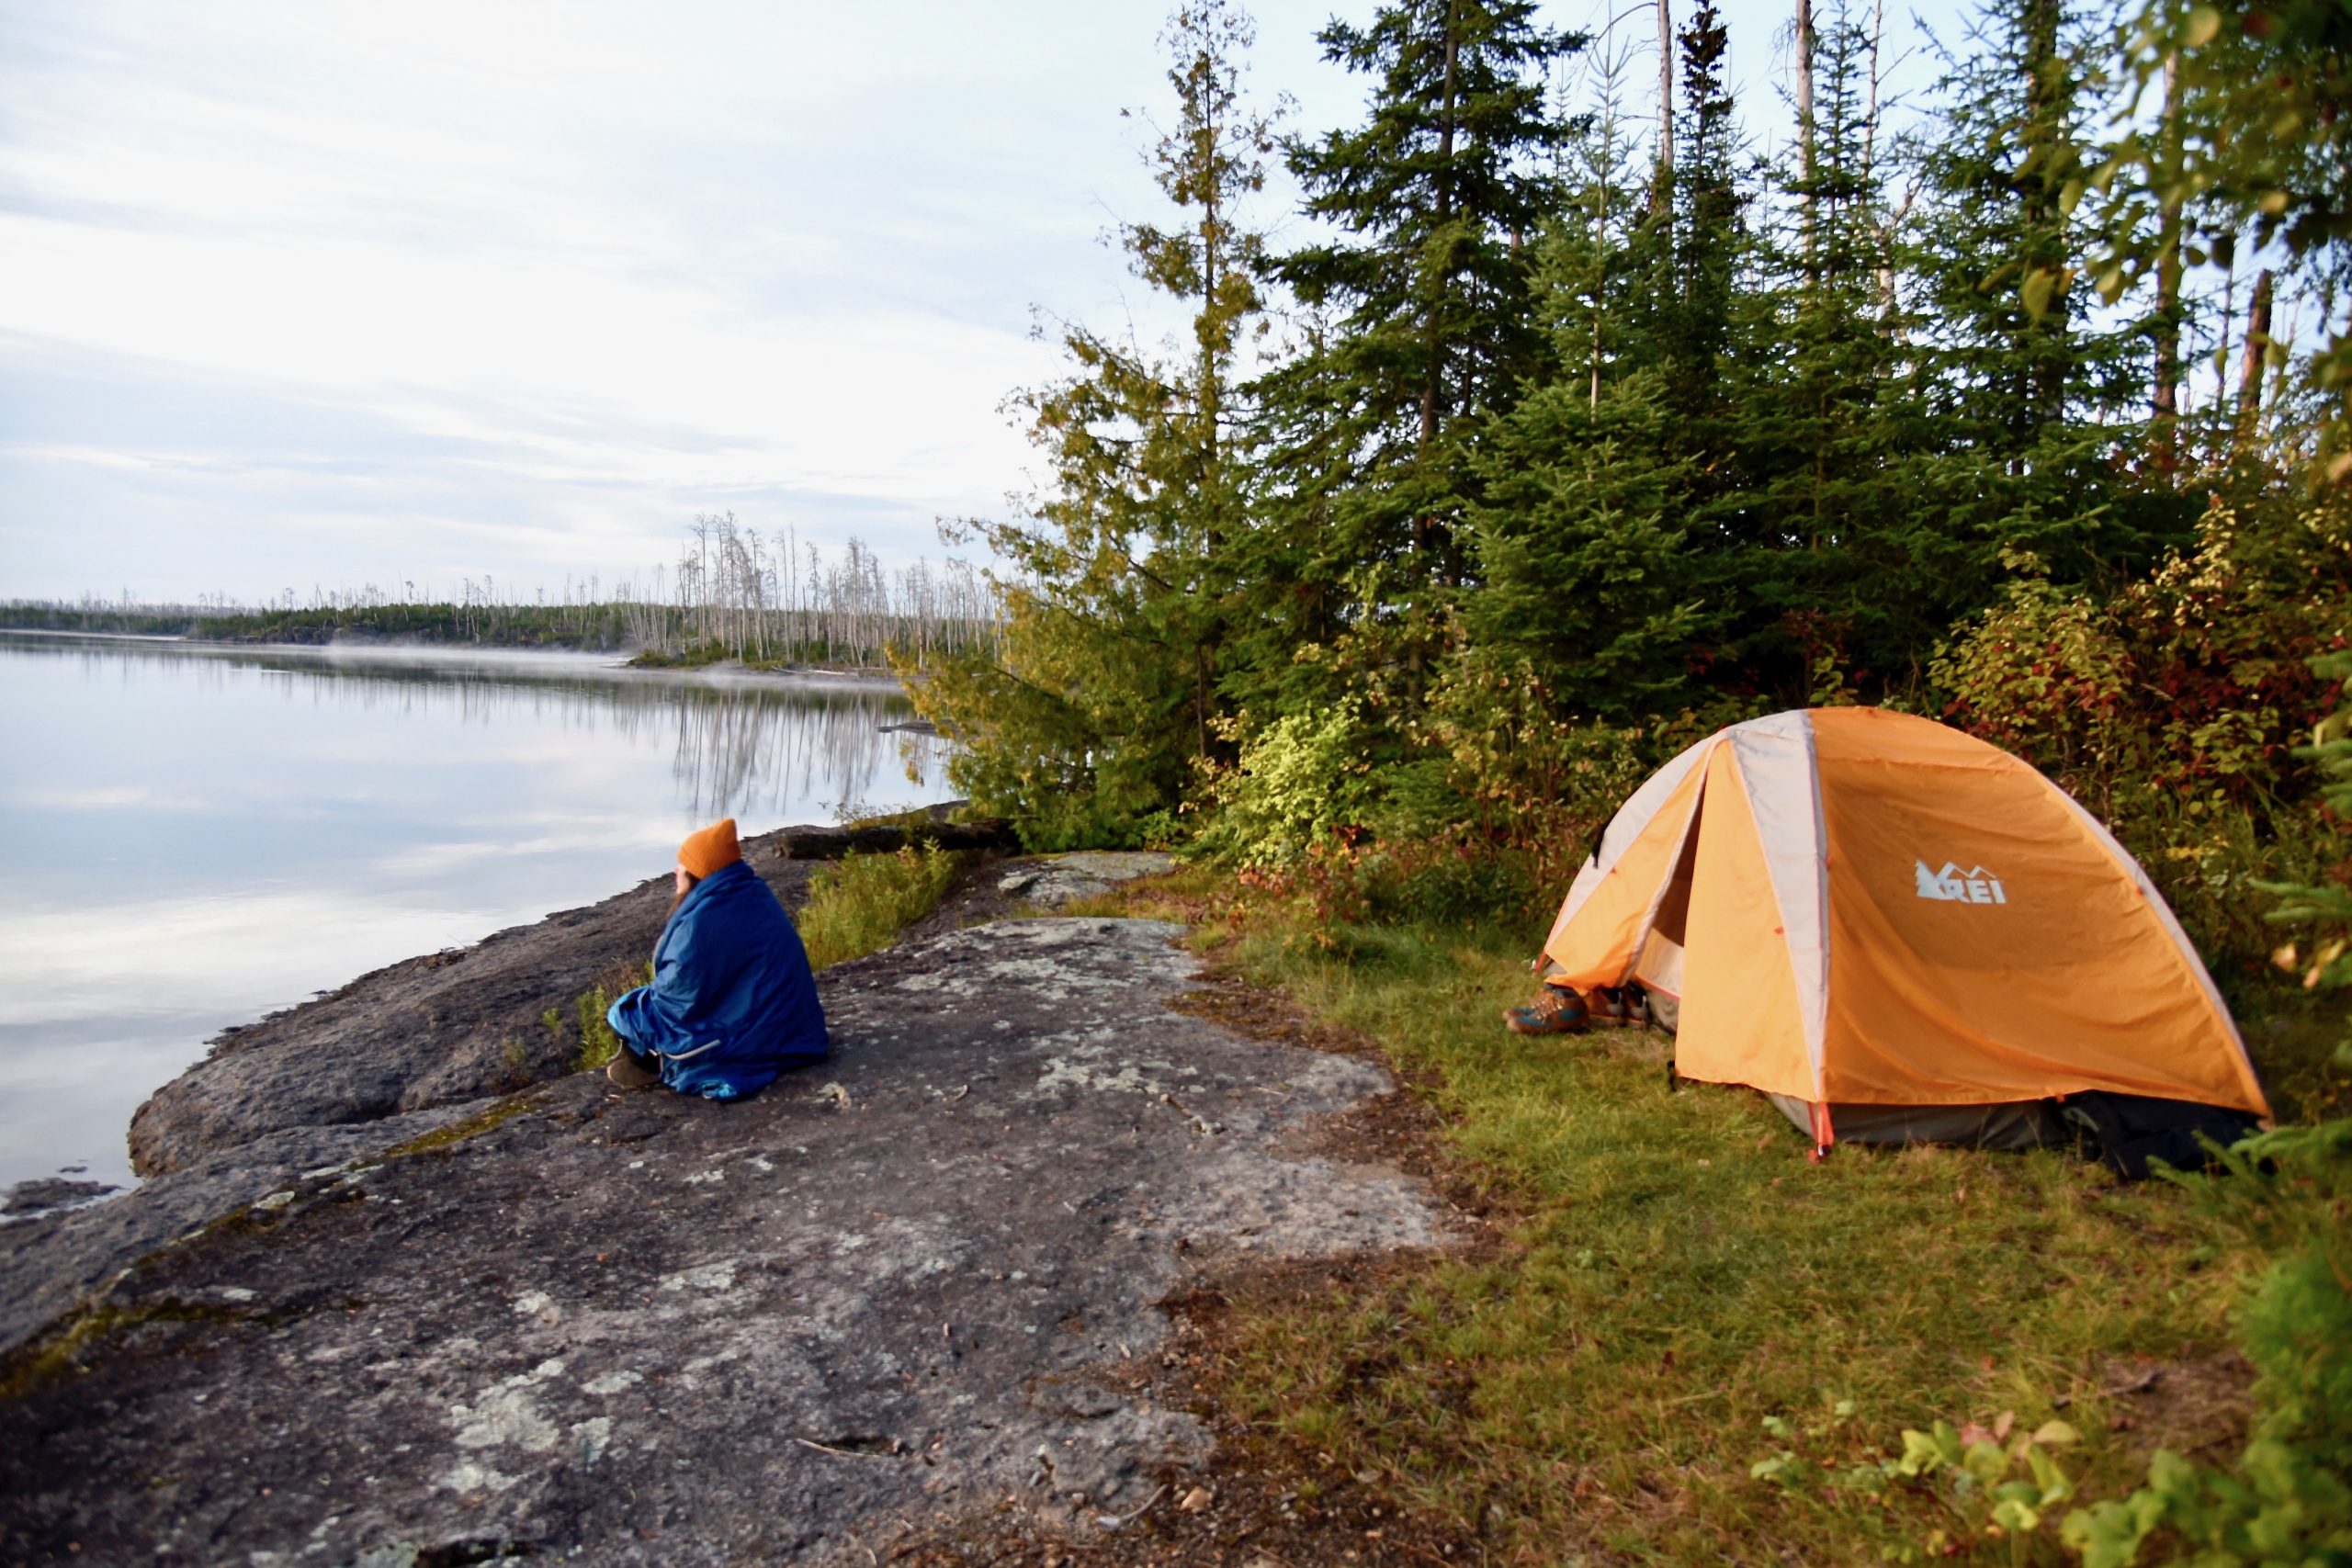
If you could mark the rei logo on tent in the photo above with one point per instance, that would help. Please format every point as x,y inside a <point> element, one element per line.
<point>1953,886</point>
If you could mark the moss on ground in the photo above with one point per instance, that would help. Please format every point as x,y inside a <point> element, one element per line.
<point>490,1117</point>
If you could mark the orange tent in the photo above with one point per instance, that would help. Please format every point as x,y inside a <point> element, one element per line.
<point>1898,932</point>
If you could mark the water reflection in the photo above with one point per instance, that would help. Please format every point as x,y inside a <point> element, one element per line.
<point>739,744</point>
<point>191,836</point>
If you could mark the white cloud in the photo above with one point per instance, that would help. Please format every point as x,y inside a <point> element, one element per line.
<point>338,291</point>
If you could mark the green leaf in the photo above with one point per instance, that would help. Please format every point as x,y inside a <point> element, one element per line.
<point>2016,1518</point>
<point>1986,1461</point>
<point>2036,290</point>
<point>1921,1453</point>
<point>2108,1534</point>
<point>1949,1447</point>
<point>2204,26</point>
<point>2049,1481</point>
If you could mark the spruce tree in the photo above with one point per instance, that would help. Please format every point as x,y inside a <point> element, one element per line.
<point>1101,693</point>
<point>1582,535</point>
<point>1816,543</point>
<point>2037,393</point>
<point>1420,306</point>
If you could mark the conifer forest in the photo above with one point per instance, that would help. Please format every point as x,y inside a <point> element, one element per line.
<point>1572,429</point>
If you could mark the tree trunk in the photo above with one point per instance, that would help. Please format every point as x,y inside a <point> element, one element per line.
<point>2257,342</point>
<point>1435,347</point>
<point>2164,404</point>
<point>2050,340</point>
<point>1664,184</point>
<point>1425,526</point>
<point>1804,119</point>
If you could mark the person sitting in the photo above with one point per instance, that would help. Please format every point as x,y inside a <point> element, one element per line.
<point>733,1002</point>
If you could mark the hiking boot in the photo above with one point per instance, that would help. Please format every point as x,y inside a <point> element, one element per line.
<point>1559,1010</point>
<point>628,1071</point>
<point>1618,1006</point>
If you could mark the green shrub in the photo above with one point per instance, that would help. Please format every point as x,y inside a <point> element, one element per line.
<point>598,1043</point>
<point>1524,775</point>
<point>2288,1496</point>
<point>1299,782</point>
<point>860,904</point>
<point>1994,1484</point>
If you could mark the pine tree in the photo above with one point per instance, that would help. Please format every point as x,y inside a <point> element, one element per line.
<point>2034,388</point>
<point>1581,536</point>
<point>1421,312</point>
<point>2023,361</point>
<point>1813,536</point>
<point>1101,695</point>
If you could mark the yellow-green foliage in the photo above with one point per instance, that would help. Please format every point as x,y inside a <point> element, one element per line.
<point>1298,781</point>
<point>598,1043</point>
<point>860,904</point>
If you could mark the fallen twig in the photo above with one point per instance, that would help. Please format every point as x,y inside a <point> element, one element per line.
<point>845,1453</point>
<point>1121,1521</point>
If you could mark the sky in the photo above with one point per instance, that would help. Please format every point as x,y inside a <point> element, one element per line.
<point>322,295</point>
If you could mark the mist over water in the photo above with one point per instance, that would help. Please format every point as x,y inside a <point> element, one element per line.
<point>193,836</point>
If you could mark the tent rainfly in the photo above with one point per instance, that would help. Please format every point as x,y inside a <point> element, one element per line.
<point>1898,933</point>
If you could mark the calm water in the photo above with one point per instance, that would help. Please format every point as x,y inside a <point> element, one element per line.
<point>190,837</point>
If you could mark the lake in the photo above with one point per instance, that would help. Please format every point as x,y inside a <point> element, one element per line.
<point>193,835</point>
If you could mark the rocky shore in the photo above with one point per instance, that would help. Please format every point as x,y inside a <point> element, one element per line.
<point>402,1288</point>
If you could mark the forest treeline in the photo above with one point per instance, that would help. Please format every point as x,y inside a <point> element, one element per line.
<point>1577,427</point>
<point>733,596</point>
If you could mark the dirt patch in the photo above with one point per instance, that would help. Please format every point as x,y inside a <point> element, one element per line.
<point>1402,1129</point>
<point>2197,1405</point>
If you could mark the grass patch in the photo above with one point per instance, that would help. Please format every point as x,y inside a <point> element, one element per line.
<point>1680,1276</point>
<point>599,1043</point>
<point>857,905</point>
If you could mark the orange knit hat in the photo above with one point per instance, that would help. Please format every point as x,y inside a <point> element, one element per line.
<point>713,847</point>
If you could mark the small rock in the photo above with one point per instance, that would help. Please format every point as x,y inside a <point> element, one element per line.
<point>1193,1501</point>
<point>50,1192</point>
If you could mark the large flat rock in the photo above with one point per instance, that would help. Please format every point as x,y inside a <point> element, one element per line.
<point>911,1286</point>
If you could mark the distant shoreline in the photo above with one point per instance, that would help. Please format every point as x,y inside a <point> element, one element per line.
<point>728,670</point>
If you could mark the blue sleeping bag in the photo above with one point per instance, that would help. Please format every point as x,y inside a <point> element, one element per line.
<point>733,1002</point>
